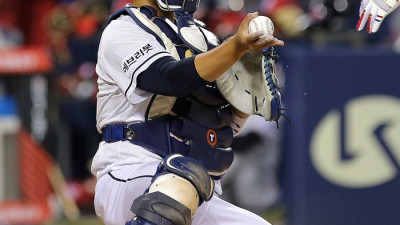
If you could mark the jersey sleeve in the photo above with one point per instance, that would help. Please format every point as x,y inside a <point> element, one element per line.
<point>125,51</point>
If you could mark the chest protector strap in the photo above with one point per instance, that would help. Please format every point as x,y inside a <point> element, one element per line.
<point>193,33</point>
<point>143,17</point>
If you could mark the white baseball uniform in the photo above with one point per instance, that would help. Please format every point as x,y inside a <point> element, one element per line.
<point>124,170</point>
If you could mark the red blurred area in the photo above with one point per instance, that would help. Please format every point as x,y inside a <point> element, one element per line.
<point>82,192</point>
<point>27,16</point>
<point>27,60</point>
<point>269,6</point>
<point>16,212</point>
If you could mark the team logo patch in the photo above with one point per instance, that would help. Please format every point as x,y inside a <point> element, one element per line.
<point>211,137</point>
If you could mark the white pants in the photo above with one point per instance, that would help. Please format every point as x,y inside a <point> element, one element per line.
<point>116,191</point>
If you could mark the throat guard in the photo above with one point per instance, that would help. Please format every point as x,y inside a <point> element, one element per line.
<point>171,5</point>
<point>193,33</point>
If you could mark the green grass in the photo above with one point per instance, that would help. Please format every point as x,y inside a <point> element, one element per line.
<point>275,215</point>
<point>85,220</point>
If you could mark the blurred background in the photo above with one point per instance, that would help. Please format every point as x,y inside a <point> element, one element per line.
<point>337,163</point>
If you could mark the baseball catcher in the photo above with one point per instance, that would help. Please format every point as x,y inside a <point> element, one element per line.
<point>171,98</point>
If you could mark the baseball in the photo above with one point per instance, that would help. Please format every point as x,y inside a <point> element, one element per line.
<point>262,23</point>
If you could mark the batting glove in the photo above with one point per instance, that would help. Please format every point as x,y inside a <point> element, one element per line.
<point>372,13</point>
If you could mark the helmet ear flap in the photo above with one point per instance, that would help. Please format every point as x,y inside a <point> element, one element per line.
<point>171,5</point>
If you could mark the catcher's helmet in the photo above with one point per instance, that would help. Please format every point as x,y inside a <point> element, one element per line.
<point>186,5</point>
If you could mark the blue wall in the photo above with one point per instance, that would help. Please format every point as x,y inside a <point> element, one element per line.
<point>342,152</point>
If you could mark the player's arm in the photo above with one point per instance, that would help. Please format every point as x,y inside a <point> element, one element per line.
<point>212,64</point>
<point>372,13</point>
<point>167,76</point>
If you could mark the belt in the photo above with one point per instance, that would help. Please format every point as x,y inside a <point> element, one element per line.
<point>154,135</point>
<point>158,136</point>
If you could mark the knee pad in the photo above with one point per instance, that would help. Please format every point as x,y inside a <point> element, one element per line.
<point>179,186</point>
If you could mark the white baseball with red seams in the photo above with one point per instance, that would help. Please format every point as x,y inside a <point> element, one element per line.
<point>262,23</point>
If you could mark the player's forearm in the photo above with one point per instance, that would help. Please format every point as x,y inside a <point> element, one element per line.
<point>212,64</point>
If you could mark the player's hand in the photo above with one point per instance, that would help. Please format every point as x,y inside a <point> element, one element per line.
<point>253,41</point>
<point>372,13</point>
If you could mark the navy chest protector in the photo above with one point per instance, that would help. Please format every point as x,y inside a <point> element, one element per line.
<point>199,127</point>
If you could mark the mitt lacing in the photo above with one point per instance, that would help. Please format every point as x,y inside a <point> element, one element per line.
<point>272,81</point>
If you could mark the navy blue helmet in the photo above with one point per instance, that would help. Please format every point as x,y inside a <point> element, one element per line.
<point>186,5</point>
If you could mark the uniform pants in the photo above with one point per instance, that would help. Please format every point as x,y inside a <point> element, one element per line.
<point>116,191</point>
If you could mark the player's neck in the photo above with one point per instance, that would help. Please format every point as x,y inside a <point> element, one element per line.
<point>153,3</point>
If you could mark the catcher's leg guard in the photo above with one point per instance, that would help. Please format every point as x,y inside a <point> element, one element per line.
<point>180,185</point>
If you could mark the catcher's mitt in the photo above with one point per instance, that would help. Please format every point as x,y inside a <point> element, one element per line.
<point>250,85</point>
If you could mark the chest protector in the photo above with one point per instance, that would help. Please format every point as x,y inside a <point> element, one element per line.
<point>200,120</point>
